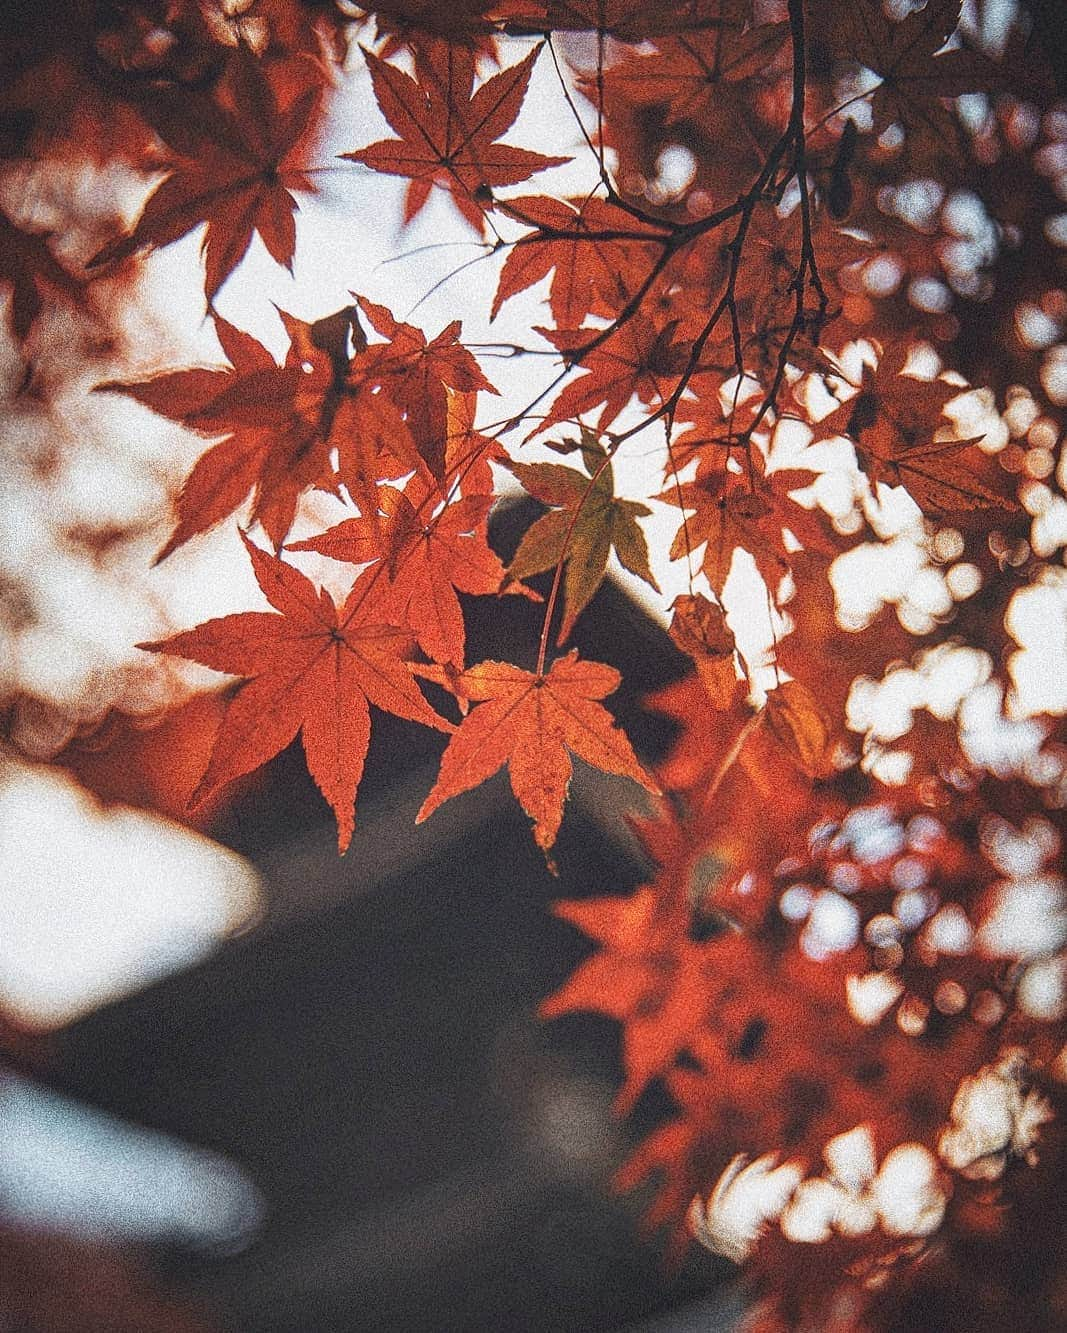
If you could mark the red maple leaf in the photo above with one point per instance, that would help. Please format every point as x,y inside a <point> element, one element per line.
<point>647,975</point>
<point>632,20</point>
<point>690,74</point>
<point>279,426</point>
<point>532,722</point>
<point>640,358</point>
<point>728,513</point>
<point>448,131</point>
<point>778,1031</point>
<point>427,28</point>
<point>891,421</point>
<point>589,248</point>
<point>916,81</point>
<point>428,559</point>
<point>313,668</point>
<point>418,376</point>
<point>235,172</point>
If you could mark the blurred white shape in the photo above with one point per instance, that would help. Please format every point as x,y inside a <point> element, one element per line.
<point>1037,621</point>
<point>909,873</point>
<point>871,574</point>
<point>1028,918</point>
<point>993,1115</point>
<point>840,1203</point>
<point>1049,530</point>
<point>1042,992</point>
<point>809,1219</point>
<point>913,907</point>
<point>70,1167</point>
<point>1019,852</point>
<point>950,672</point>
<point>871,996</point>
<point>746,1197</point>
<point>850,1157</point>
<point>872,833</point>
<point>676,168</point>
<point>950,931</point>
<point>906,1197</point>
<point>832,927</point>
<point>992,740</point>
<point>908,1191</point>
<point>95,903</point>
<point>795,902</point>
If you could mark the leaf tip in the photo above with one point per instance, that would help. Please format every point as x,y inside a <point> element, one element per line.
<point>167,549</point>
<point>345,828</point>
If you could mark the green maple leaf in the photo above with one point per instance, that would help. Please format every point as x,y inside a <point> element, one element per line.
<point>584,524</point>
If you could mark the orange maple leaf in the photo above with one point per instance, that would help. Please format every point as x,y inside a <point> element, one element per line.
<point>278,425</point>
<point>428,559</point>
<point>313,668</point>
<point>647,975</point>
<point>531,722</point>
<point>728,514</point>
<point>418,376</point>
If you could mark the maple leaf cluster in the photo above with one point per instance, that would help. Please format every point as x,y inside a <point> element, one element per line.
<point>816,270</point>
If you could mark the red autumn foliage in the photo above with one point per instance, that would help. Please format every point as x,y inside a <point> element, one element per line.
<point>530,721</point>
<point>448,130</point>
<point>313,668</point>
<point>234,171</point>
<point>814,267</point>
